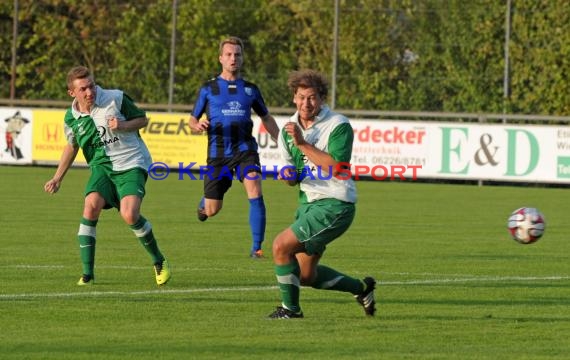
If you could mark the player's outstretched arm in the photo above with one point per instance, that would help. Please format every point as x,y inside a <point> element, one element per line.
<point>271,126</point>
<point>67,157</point>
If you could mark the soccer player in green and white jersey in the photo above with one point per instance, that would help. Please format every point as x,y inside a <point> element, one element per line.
<point>104,124</point>
<point>314,143</point>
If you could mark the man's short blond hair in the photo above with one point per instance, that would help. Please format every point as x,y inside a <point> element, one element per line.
<point>234,40</point>
<point>78,72</point>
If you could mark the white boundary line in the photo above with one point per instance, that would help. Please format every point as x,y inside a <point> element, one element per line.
<point>128,293</point>
<point>266,288</point>
<point>476,279</point>
<point>121,267</point>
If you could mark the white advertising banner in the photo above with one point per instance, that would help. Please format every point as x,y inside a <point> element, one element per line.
<point>382,149</point>
<point>388,149</point>
<point>15,136</point>
<point>527,153</point>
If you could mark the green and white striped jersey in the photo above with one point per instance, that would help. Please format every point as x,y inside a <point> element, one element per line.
<point>332,133</point>
<point>115,150</point>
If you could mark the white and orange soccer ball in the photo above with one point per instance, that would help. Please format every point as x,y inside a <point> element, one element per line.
<point>526,225</point>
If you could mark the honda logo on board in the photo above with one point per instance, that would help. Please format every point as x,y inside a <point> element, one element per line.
<point>51,132</point>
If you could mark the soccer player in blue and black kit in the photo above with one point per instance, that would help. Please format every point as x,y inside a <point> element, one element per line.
<point>227,101</point>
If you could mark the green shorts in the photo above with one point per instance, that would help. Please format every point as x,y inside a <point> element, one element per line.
<point>320,222</point>
<point>114,185</point>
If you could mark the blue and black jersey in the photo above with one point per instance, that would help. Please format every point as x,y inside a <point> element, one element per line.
<point>228,105</point>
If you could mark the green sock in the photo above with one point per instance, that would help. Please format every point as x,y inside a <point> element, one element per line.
<point>143,230</point>
<point>86,237</point>
<point>289,284</point>
<point>330,279</point>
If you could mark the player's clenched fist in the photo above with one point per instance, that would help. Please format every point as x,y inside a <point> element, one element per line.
<point>51,186</point>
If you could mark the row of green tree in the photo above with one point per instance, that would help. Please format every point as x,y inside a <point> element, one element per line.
<point>429,55</point>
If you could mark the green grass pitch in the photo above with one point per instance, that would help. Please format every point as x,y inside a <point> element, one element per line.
<point>452,284</point>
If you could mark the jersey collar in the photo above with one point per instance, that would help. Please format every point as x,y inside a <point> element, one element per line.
<point>75,111</point>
